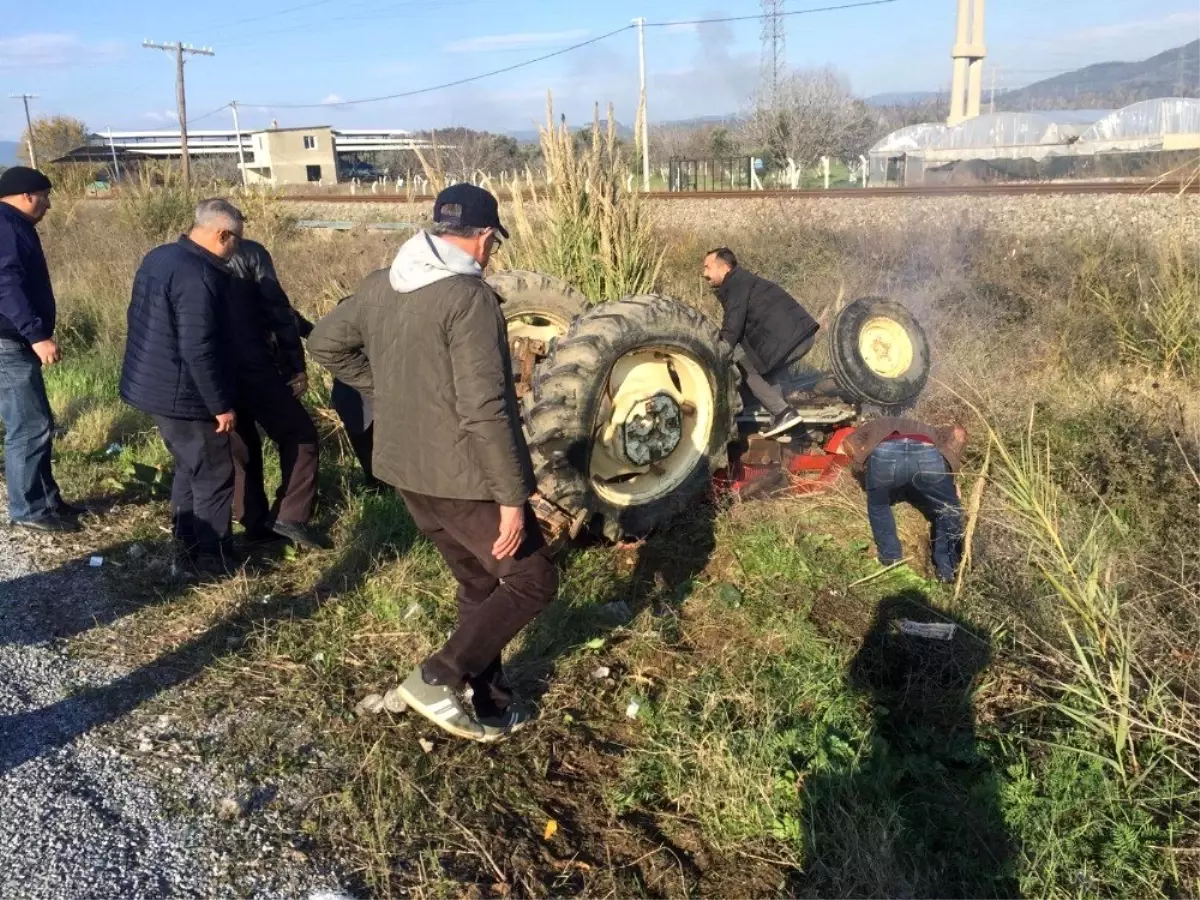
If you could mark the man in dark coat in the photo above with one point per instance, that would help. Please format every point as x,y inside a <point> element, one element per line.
<point>271,378</point>
<point>355,412</point>
<point>27,313</point>
<point>426,341</point>
<point>769,331</point>
<point>179,368</point>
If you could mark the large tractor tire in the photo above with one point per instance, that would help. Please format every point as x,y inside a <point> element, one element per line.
<point>632,414</point>
<point>537,306</point>
<point>878,352</point>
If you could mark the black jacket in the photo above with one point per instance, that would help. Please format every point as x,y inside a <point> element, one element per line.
<point>763,317</point>
<point>266,340</point>
<point>27,309</point>
<point>177,360</point>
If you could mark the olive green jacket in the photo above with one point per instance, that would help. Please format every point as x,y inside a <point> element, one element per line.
<point>435,362</point>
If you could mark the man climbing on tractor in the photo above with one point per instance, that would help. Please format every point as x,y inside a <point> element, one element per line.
<point>769,331</point>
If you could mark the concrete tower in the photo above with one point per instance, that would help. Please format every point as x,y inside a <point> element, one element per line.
<point>966,90</point>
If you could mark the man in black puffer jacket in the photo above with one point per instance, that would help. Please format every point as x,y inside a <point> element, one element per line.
<point>178,368</point>
<point>769,331</point>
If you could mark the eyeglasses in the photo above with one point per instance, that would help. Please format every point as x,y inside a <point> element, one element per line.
<point>227,237</point>
<point>497,241</point>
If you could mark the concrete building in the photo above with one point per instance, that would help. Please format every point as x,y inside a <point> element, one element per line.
<point>348,143</point>
<point>282,156</point>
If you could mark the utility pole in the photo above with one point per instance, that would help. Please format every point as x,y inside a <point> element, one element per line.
<point>237,131</point>
<point>641,24</point>
<point>179,48</point>
<point>25,98</point>
<point>992,102</point>
<point>113,150</point>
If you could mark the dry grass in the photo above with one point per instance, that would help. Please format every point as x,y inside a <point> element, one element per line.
<point>755,765</point>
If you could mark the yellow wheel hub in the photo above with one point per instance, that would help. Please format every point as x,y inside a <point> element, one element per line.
<point>885,347</point>
<point>653,428</point>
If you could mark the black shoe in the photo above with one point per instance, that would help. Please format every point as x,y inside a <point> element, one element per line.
<point>302,535</point>
<point>50,524</point>
<point>70,510</point>
<point>500,726</point>
<point>217,564</point>
<point>263,535</point>
<point>782,422</point>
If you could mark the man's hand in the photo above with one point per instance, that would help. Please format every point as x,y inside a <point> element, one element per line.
<point>512,531</point>
<point>299,385</point>
<point>225,422</point>
<point>47,352</point>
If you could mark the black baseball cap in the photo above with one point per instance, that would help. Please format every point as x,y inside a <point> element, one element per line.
<point>468,206</point>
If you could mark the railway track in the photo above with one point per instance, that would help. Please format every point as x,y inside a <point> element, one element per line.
<point>1015,189</point>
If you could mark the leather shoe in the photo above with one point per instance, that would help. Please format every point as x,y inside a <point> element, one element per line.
<point>51,524</point>
<point>258,536</point>
<point>302,535</point>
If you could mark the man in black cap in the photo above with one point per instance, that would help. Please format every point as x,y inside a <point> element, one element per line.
<point>27,313</point>
<point>427,343</point>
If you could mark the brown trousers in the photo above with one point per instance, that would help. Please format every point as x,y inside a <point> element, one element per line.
<point>496,598</point>
<point>270,403</point>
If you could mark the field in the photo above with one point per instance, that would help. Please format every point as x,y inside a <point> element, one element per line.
<point>727,708</point>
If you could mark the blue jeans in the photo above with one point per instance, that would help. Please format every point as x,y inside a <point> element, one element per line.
<point>28,430</point>
<point>903,469</point>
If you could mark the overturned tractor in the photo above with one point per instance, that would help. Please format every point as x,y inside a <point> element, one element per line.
<point>632,407</point>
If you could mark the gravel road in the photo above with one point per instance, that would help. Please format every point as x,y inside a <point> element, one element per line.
<point>80,818</point>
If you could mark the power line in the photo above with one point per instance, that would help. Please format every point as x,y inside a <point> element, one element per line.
<point>537,59</point>
<point>794,12</point>
<point>450,84</point>
<point>376,14</point>
<point>273,14</point>
<point>207,115</point>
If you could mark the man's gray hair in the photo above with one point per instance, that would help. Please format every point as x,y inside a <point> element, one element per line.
<point>441,229</point>
<point>214,212</point>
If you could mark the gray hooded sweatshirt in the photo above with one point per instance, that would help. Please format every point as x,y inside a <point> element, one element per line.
<point>427,340</point>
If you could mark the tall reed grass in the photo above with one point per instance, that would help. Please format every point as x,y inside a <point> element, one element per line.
<point>1101,678</point>
<point>587,224</point>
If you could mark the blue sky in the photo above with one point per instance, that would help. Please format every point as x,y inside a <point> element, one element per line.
<point>86,59</point>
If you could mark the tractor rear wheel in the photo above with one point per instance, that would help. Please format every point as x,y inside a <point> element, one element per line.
<point>536,306</point>
<point>632,414</point>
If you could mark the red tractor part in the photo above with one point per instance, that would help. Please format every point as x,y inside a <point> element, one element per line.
<point>770,467</point>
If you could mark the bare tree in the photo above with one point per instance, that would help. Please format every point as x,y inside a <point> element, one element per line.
<point>465,152</point>
<point>53,136</point>
<point>816,115</point>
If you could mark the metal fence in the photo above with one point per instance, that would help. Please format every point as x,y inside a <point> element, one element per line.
<point>720,174</point>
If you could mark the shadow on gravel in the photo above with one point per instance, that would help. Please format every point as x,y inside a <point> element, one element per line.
<point>917,813</point>
<point>75,597</point>
<point>28,735</point>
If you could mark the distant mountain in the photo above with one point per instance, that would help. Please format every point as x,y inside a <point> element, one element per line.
<point>8,153</point>
<point>1174,73</point>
